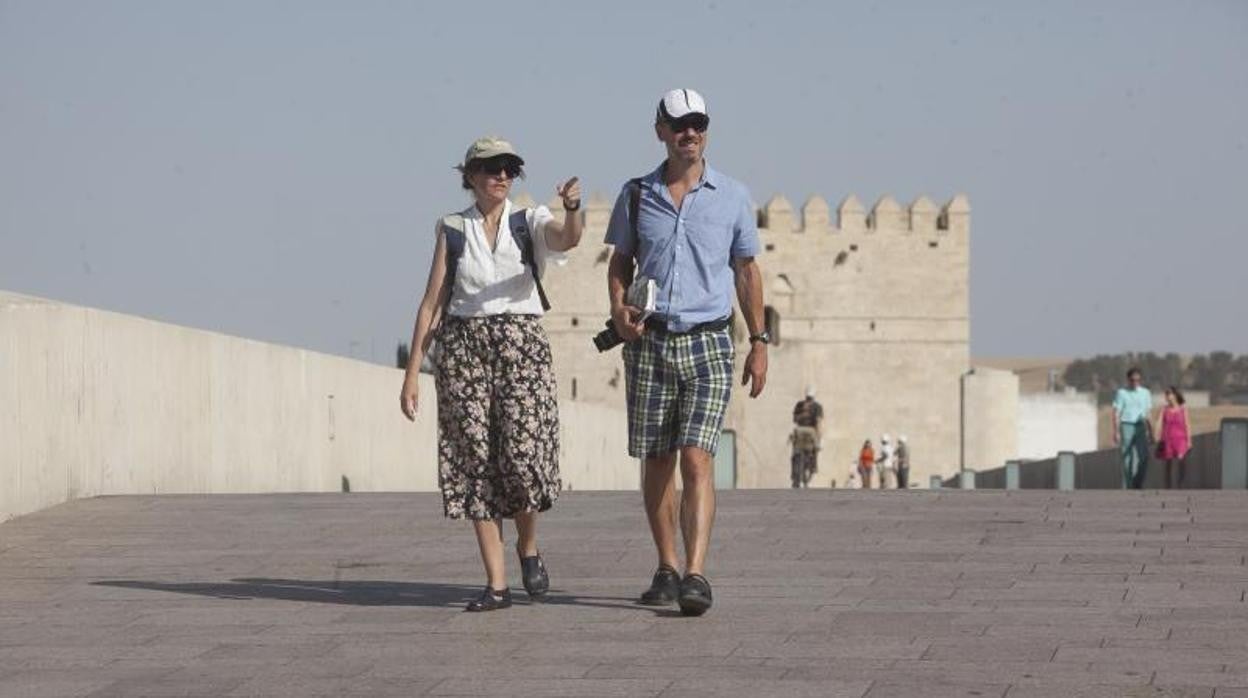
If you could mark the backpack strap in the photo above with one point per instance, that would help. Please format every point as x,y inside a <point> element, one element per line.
<point>634,206</point>
<point>453,230</point>
<point>519,224</point>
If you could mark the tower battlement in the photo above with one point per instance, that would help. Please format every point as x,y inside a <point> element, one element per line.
<point>778,215</point>
<point>886,216</point>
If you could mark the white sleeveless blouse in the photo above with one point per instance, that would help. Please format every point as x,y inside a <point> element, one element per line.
<point>497,282</point>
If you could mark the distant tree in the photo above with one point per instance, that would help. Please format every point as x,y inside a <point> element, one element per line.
<point>402,356</point>
<point>1221,373</point>
<point>1213,373</point>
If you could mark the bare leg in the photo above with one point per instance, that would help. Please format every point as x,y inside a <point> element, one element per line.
<point>697,510</point>
<point>490,540</point>
<point>659,491</point>
<point>526,533</point>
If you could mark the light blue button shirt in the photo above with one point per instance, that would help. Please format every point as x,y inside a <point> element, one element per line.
<point>687,251</point>
<point>1133,404</point>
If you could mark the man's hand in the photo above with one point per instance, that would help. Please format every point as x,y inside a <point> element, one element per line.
<point>1114,430</point>
<point>755,374</point>
<point>628,322</point>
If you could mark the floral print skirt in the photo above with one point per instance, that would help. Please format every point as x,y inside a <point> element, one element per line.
<point>498,417</point>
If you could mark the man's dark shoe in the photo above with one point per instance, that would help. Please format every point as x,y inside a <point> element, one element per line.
<point>533,573</point>
<point>664,588</point>
<point>695,595</point>
<point>490,600</point>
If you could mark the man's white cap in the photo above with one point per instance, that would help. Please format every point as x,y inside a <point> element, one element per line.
<point>678,103</point>
<point>884,438</point>
<point>810,390</point>
<point>902,438</point>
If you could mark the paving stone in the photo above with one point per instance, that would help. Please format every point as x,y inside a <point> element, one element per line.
<point>817,593</point>
<point>608,688</point>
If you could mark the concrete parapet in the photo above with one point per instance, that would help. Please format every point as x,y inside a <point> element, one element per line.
<point>1234,460</point>
<point>103,403</point>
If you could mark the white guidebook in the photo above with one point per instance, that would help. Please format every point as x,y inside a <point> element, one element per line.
<point>642,294</point>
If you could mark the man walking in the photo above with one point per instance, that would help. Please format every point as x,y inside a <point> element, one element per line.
<point>692,231</point>
<point>1131,429</point>
<point>903,462</point>
<point>806,436</point>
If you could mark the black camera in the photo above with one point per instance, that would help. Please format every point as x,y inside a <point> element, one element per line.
<point>608,339</point>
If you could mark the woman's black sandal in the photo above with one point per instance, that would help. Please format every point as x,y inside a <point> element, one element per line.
<point>490,600</point>
<point>533,574</point>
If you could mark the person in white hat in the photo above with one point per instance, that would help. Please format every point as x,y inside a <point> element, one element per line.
<point>887,462</point>
<point>498,419</point>
<point>691,230</point>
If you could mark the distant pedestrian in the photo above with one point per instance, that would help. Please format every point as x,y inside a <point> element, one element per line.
<point>887,460</point>
<point>1174,437</point>
<point>806,436</point>
<point>1132,405</point>
<point>903,463</point>
<point>866,463</point>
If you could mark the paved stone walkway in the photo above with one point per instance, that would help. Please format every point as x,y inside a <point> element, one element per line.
<point>818,593</point>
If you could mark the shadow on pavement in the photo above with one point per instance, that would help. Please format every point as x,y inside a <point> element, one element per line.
<point>359,592</point>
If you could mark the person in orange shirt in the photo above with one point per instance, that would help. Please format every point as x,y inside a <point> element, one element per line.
<point>866,462</point>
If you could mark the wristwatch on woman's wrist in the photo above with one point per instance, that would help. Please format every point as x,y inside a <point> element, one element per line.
<point>764,337</point>
<point>576,205</point>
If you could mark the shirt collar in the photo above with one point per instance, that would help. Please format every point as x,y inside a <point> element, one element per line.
<point>474,213</point>
<point>710,177</point>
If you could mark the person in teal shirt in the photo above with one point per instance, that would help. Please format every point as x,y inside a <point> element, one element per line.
<point>1132,405</point>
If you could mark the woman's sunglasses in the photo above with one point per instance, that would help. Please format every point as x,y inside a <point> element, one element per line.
<point>498,166</point>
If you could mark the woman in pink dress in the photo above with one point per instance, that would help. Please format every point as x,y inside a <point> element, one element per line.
<point>1176,437</point>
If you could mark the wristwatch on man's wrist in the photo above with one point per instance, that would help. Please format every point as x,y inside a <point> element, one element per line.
<point>575,206</point>
<point>764,337</point>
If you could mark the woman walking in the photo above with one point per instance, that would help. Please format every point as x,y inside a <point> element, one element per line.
<point>498,419</point>
<point>866,462</point>
<point>1175,437</point>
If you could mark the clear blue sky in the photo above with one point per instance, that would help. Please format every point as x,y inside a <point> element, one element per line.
<point>272,169</point>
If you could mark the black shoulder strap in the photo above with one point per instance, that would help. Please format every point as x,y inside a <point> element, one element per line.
<point>634,206</point>
<point>454,249</point>
<point>519,224</point>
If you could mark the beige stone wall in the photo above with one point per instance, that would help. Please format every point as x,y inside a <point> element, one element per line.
<point>93,402</point>
<point>874,311</point>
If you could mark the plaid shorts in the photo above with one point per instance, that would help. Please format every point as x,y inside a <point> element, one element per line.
<point>678,388</point>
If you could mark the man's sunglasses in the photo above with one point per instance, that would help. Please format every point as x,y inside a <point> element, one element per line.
<point>499,166</point>
<point>697,122</point>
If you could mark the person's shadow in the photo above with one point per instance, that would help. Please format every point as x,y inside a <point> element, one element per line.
<point>355,592</point>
